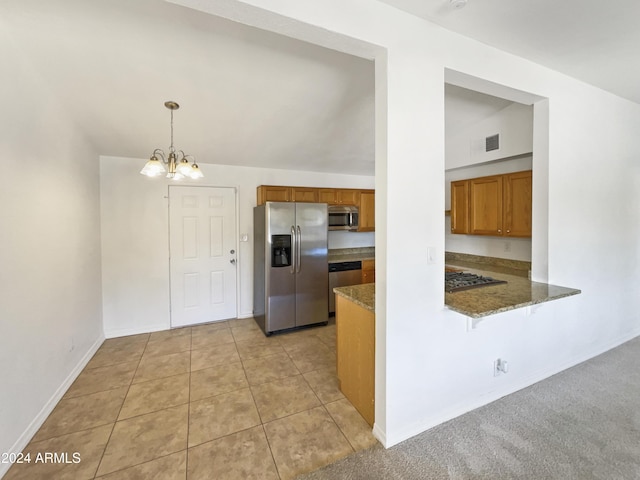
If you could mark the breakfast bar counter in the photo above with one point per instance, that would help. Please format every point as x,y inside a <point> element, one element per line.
<point>518,292</point>
<point>363,295</point>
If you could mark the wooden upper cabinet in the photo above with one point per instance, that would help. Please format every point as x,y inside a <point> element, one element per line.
<point>485,205</point>
<point>367,220</point>
<point>518,204</point>
<point>304,194</point>
<point>497,205</point>
<point>348,197</point>
<point>460,206</point>
<point>339,196</point>
<point>271,193</point>
<point>327,195</point>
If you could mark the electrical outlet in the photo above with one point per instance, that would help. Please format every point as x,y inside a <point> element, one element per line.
<point>500,366</point>
<point>507,246</point>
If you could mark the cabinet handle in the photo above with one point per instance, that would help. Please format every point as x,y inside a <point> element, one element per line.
<point>499,231</point>
<point>508,231</point>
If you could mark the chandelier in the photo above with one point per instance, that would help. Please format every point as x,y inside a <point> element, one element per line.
<point>177,162</point>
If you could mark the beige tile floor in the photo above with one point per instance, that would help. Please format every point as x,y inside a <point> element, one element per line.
<point>215,401</point>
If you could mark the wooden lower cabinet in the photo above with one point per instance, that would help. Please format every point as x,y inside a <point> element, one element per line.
<point>368,271</point>
<point>355,355</point>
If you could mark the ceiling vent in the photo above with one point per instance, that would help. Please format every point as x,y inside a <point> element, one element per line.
<point>492,143</point>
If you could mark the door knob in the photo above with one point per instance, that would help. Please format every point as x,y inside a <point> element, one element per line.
<point>233,261</point>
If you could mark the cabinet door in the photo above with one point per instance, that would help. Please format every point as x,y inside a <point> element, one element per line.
<point>368,271</point>
<point>327,195</point>
<point>485,205</point>
<point>517,204</point>
<point>367,220</point>
<point>304,194</point>
<point>460,206</point>
<point>271,193</point>
<point>348,197</point>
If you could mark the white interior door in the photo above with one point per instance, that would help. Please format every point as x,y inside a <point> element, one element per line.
<point>202,244</point>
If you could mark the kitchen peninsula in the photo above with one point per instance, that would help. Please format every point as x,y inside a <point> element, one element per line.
<point>517,292</point>
<point>355,346</point>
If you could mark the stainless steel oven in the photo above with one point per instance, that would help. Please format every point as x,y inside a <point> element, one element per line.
<point>343,217</point>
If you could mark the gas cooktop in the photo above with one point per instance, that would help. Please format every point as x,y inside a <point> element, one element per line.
<point>458,281</point>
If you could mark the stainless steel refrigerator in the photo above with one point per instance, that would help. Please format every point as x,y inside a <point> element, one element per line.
<point>290,265</point>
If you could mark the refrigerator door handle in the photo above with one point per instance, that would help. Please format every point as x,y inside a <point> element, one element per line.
<point>299,245</point>
<point>294,247</point>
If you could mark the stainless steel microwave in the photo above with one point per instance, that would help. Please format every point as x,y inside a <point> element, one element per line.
<point>343,217</point>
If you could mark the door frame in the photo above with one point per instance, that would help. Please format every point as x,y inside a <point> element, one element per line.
<point>236,198</point>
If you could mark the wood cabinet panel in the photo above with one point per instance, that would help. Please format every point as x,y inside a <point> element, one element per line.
<point>485,205</point>
<point>367,220</point>
<point>368,271</point>
<point>348,197</point>
<point>355,356</point>
<point>497,205</point>
<point>518,204</point>
<point>327,195</point>
<point>304,194</point>
<point>271,193</point>
<point>460,206</point>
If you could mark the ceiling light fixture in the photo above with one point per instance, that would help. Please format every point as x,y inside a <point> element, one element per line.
<point>458,3</point>
<point>178,167</point>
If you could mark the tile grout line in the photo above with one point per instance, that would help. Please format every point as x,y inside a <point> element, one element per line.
<point>186,461</point>
<point>120,410</point>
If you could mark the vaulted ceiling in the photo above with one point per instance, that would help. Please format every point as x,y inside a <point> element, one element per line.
<point>254,98</point>
<point>596,41</point>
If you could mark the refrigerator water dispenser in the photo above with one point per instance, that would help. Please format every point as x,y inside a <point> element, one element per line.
<point>280,250</point>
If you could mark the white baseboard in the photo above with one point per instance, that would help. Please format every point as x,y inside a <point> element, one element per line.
<point>380,435</point>
<point>488,397</point>
<point>48,407</point>
<point>123,332</point>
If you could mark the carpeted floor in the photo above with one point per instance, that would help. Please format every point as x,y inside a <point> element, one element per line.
<point>582,424</point>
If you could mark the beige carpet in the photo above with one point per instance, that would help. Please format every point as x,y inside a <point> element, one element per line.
<point>582,424</point>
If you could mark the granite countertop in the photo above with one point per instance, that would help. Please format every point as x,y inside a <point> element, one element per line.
<point>363,295</point>
<point>351,254</point>
<point>518,292</point>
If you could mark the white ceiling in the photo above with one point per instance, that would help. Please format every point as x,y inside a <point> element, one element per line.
<point>247,97</point>
<point>597,41</point>
<point>253,98</point>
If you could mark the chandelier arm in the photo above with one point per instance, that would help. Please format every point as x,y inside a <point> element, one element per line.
<point>174,160</point>
<point>158,152</point>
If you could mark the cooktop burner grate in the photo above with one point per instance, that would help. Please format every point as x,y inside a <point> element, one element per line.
<point>458,281</point>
